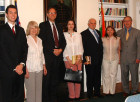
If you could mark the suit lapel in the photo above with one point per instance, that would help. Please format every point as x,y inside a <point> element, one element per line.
<point>9,30</point>
<point>91,36</point>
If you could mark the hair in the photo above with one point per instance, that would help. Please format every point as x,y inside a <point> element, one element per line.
<point>32,24</point>
<point>74,25</point>
<point>10,6</point>
<point>128,17</point>
<point>51,8</point>
<point>114,34</point>
<point>91,19</point>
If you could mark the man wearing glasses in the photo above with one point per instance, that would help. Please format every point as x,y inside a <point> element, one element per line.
<point>54,44</point>
<point>130,54</point>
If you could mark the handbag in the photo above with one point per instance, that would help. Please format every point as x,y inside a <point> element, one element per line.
<point>73,76</point>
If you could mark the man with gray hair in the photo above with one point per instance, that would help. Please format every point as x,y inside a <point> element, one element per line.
<point>93,48</point>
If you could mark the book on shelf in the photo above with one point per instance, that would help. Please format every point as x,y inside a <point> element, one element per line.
<point>114,11</point>
<point>2,8</point>
<point>113,1</point>
<point>2,19</point>
<point>116,24</point>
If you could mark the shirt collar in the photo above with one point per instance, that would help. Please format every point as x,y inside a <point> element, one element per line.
<point>11,25</point>
<point>128,29</point>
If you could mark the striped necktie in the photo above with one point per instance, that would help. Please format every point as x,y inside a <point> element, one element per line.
<point>97,36</point>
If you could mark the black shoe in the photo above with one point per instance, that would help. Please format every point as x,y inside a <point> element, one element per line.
<point>77,99</point>
<point>98,96</point>
<point>90,96</point>
<point>71,99</point>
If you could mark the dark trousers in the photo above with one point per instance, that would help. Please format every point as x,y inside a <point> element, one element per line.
<point>12,88</point>
<point>93,73</point>
<point>51,82</point>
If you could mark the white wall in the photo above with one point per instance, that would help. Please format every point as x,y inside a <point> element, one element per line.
<point>30,10</point>
<point>86,9</point>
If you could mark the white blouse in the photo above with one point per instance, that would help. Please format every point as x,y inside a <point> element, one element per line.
<point>35,57</point>
<point>74,45</point>
<point>110,48</point>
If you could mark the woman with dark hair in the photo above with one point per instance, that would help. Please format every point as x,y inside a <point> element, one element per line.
<point>74,49</point>
<point>111,56</point>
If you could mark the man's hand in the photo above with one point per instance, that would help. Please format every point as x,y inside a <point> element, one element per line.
<point>18,69</point>
<point>45,70</point>
<point>57,52</point>
<point>137,60</point>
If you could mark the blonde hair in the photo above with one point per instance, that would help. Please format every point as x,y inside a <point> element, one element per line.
<point>30,25</point>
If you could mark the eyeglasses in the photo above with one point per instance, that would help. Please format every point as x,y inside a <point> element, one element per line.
<point>52,13</point>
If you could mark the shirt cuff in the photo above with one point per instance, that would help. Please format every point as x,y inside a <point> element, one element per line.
<point>23,64</point>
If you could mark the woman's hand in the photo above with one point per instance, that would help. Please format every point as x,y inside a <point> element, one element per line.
<point>45,70</point>
<point>27,73</point>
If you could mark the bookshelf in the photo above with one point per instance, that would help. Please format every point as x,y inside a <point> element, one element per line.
<point>3,5</point>
<point>114,12</point>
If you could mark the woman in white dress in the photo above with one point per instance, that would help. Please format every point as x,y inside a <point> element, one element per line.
<point>74,47</point>
<point>111,56</point>
<point>35,64</point>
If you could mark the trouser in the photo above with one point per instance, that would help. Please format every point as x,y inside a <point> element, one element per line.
<point>133,68</point>
<point>74,88</point>
<point>34,87</point>
<point>109,73</point>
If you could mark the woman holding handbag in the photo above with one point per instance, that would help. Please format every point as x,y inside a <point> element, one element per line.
<point>73,57</point>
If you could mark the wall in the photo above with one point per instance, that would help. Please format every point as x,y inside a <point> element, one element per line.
<point>29,10</point>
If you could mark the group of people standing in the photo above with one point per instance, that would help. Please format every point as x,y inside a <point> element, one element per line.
<point>37,57</point>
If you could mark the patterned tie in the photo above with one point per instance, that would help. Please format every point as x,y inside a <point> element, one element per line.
<point>13,30</point>
<point>127,35</point>
<point>55,36</point>
<point>97,36</point>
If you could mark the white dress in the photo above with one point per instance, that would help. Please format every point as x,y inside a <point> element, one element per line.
<point>110,63</point>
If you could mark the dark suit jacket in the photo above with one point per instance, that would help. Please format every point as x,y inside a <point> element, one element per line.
<point>46,35</point>
<point>13,49</point>
<point>91,47</point>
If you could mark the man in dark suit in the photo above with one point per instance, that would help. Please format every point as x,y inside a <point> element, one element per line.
<point>13,54</point>
<point>130,55</point>
<point>93,47</point>
<point>54,44</point>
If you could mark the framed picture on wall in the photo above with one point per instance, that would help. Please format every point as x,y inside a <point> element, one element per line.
<point>66,9</point>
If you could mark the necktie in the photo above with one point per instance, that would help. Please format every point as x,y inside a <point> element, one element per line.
<point>13,30</point>
<point>127,35</point>
<point>97,36</point>
<point>55,36</point>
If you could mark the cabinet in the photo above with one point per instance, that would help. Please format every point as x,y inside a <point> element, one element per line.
<point>114,12</point>
<point>3,5</point>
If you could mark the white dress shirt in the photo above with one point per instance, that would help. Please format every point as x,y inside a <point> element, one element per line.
<point>110,48</point>
<point>35,57</point>
<point>74,45</point>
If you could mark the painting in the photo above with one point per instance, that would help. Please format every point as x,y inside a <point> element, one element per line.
<point>66,9</point>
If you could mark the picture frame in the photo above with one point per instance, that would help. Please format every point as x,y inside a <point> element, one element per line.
<point>66,9</point>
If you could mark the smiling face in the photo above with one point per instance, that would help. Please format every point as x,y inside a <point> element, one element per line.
<point>52,14</point>
<point>70,25</point>
<point>11,15</point>
<point>127,22</point>
<point>33,31</point>
<point>92,24</point>
<point>110,31</point>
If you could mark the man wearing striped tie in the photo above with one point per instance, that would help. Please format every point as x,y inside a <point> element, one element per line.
<point>130,54</point>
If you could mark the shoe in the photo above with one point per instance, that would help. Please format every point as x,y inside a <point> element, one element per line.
<point>125,94</point>
<point>77,99</point>
<point>90,96</point>
<point>71,99</point>
<point>98,96</point>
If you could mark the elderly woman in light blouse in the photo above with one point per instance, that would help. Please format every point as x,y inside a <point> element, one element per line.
<point>35,64</point>
<point>74,47</point>
<point>111,56</point>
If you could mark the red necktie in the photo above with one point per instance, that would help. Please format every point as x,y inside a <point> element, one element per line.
<point>13,30</point>
<point>55,36</point>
